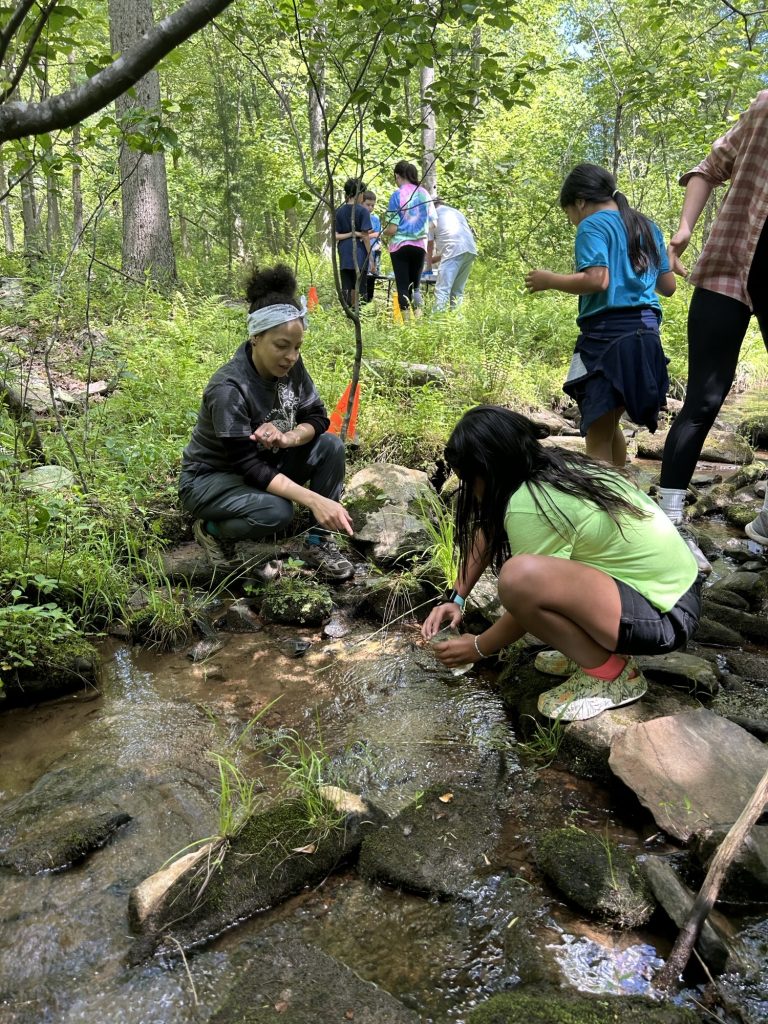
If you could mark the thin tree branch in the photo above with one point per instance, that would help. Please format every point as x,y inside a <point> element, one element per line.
<point>14,22</point>
<point>27,55</point>
<point>20,119</point>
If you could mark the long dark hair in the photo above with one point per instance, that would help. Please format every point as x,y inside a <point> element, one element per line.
<point>501,448</point>
<point>272,286</point>
<point>408,171</point>
<point>594,184</point>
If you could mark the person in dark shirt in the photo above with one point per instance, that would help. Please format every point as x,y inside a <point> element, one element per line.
<point>261,436</point>
<point>350,273</point>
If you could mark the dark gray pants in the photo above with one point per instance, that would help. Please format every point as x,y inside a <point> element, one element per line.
<point>243,513</point>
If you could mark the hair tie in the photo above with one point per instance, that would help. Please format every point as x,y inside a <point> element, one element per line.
<point>614,193</point>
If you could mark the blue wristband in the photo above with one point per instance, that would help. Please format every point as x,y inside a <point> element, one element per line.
<point>455,598</point>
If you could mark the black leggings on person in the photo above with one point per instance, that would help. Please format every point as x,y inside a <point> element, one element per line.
<point>407,263</point>
<point>716,328</point>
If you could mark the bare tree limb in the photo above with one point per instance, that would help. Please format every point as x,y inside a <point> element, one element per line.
<point>730,846</point>
<point>21,119</point>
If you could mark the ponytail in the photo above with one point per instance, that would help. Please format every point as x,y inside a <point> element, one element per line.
<point>594,184</point>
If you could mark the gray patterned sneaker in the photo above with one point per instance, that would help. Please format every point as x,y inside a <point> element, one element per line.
<point>213,550</point>
<point>583,696</point>
<point>757,530</point>
<point>326,557</point>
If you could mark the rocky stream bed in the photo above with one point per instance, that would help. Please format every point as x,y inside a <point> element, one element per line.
<point>464,862</point>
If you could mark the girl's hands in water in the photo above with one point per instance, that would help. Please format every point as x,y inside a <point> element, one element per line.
<point>460,651</point>
<point>446,614</point>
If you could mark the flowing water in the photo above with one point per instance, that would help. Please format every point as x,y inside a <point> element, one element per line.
<point>394,723</point>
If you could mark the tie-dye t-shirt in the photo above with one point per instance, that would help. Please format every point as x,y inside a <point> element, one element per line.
<point>412,209</point>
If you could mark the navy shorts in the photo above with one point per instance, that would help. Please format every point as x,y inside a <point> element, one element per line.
<point>643,629</point>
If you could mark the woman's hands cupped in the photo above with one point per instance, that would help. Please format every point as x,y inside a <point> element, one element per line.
<point>270,436</point>
<point>460,651</point>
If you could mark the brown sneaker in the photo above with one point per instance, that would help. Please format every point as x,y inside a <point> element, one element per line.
<point>328,559</point>
<point>213,550</point>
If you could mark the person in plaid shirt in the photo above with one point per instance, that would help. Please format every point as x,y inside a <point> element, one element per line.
<point>731,286</point>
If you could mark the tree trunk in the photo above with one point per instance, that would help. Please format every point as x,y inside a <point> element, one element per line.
<point>315,106</point>
<point>53,222</point>
<point>32,239</point>
<point>77,177</point>
<point>5,207</point>
<point>147,241</point>
<point>428,134</point>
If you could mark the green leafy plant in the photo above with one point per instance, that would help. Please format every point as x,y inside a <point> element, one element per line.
<point>443,557</point>
<point>545,741</point>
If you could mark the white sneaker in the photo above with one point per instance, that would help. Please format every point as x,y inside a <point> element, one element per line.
<point>757,530</point>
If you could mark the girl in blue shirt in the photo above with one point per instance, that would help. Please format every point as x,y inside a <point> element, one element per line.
<point>621,263</point>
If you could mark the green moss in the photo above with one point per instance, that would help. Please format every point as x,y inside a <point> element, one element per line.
<point>296,601</point>
<point>364,503</point>
<point>536,1007</point>
<point>740,513</point>
<point>593,872</point>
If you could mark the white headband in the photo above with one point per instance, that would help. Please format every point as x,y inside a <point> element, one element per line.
<point>272,316</point>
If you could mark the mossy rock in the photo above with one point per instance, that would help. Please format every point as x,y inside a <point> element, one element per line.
<point>364,503</point>
<point>61,666</point>
<point>596,875</point>
<point>740,513</point>
<point>529,1006</point>
<point>276,853</point>
<point>297,602</point>
<point>754,427</point>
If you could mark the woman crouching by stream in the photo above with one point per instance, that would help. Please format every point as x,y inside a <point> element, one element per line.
<point>586,562</point>
<point>261,436</point>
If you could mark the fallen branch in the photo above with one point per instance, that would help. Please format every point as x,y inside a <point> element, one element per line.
<point>668,976</point>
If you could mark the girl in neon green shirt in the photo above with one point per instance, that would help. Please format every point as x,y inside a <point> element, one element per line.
<point>586,562</point>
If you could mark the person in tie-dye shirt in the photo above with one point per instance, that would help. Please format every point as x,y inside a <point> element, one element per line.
<point>409,215</point>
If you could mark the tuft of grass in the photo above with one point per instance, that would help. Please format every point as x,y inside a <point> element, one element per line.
<point>545,741</point>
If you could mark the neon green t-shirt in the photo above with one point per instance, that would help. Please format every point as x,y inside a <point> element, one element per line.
<point>651,557</point>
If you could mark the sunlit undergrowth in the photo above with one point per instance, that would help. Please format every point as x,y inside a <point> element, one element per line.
<point>157,353</point>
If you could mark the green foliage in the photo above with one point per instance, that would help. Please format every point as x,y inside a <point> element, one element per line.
<point>442,555</point>
<point>32,635</point>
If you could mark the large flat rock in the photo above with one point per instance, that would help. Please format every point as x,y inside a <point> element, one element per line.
<point>692,771</point>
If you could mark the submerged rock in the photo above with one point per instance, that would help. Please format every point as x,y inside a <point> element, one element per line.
<point>677,900</point>
<point>536,1006</point>
<point>283,979</point>
<point>58,844</point>
<point>436,844</point>
<point>595,874</point>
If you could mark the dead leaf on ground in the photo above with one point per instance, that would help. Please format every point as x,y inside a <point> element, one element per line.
<point>310,848</point>
<point>445,798</point>
<point>281,1006</point>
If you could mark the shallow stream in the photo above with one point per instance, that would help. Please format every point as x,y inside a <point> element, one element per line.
<point>395,723</point>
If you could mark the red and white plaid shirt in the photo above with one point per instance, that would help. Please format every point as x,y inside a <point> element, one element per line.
<point>741,155</point>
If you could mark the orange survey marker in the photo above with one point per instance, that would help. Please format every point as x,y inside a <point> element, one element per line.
<point>312,300</point>
<point>338,414</point>
<point>397,315</point>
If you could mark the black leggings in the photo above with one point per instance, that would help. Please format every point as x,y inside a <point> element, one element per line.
<point>407,263</point>
<point>716,328</point>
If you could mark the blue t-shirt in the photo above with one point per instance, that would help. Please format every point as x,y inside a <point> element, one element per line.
<point>343,225</point>
<point>601,241</point>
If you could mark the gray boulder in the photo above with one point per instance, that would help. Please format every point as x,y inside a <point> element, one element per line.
<point>385,502</point>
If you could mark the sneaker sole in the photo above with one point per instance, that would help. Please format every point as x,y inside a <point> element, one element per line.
<point>752,533</point>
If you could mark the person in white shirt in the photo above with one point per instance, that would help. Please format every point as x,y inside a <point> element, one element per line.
<point>452,246</point>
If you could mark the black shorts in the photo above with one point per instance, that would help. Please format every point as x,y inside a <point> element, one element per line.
<point>643,629</point>
<point>348,280</point>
